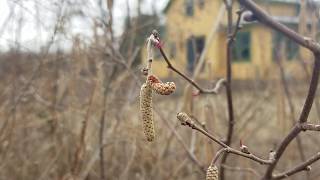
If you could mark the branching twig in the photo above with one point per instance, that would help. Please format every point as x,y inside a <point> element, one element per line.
<point>305,166</point>
<point>263,17</point>
<point>230,42</point>
<point>187,121</point>
<point>192,82</point>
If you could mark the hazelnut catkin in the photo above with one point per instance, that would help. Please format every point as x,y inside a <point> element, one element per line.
<point>146,111</point>
<point>159,87</point>
<point>212,173</point>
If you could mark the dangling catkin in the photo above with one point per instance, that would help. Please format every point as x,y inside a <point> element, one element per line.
<point>212,173</point>
<point>146,111</point>
<point>159,87</point>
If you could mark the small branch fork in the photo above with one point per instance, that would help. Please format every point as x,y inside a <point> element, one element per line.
<point>185,120</point>
<point>231,39</point>
<point>301,125</point>
<point>305,166</point>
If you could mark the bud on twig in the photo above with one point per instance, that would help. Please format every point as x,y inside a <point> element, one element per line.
<point>244,148</point>
<point>272,155</point>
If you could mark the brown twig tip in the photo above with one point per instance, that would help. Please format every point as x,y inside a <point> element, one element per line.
<point>185,119</point>
<point>159,87</point>
<point>212,173</point>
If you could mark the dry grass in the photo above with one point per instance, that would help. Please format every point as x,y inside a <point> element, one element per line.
<point>40,140</point>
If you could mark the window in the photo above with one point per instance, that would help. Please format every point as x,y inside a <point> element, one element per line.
<point>290,48</point>
<point>189,8</point>
<point>241,52</point>
<point>195,46</point>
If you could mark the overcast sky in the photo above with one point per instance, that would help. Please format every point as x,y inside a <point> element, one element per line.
<point>38,18</point>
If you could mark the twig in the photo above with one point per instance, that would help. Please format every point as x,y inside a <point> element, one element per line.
<point>309,127</point>
<point>192,82</point>
<point>107,82</point>
<point>180,140</point>
<point>305,166</point>
<point>187,121</point>
<point>279,58</point>
<point>263,17</point>
<point>217,156</point>
<point>230,42</point>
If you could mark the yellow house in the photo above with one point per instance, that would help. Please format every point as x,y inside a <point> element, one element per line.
<point>191,24</point>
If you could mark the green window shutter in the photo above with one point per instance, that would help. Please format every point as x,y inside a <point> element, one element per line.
<point>241,51</point>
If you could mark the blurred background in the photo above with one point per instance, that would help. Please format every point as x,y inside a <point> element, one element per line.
<point>70,75</point>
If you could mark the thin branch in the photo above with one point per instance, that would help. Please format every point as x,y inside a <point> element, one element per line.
<point>266,19</point>
<point>305,166</point>
<point>263,17</point>
<point>187,121</point>
<point>303,117</point>
<point>191,155</point>
<point>230,42</point>
<point>192,82</point>
<point>310,127</point>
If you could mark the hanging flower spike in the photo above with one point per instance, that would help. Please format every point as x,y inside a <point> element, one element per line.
<point>212,173</point>
<point>147,111</point>
<point>159,87</point>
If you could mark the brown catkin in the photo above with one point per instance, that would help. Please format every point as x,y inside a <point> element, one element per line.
<point>212,173</point>
<point>146,111</point>
<point>159,87</point>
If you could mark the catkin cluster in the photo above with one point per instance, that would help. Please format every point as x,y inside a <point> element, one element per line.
<point>212,173</point>
<point>159,87</point>
<point>146,111</point>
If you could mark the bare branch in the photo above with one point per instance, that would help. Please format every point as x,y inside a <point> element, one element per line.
<point>305,166</point>
<point>264,18</point>
<point>187,121</point>
<point>192,82</point>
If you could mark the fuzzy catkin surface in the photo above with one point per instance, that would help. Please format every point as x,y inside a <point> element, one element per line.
<point>159,87</point>
<point>146,111</point>
<point>212,173</point>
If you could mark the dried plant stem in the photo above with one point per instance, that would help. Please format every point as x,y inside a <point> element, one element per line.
<point>107,82</point>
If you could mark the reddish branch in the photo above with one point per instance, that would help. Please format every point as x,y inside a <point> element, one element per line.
<point>201,90</point>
